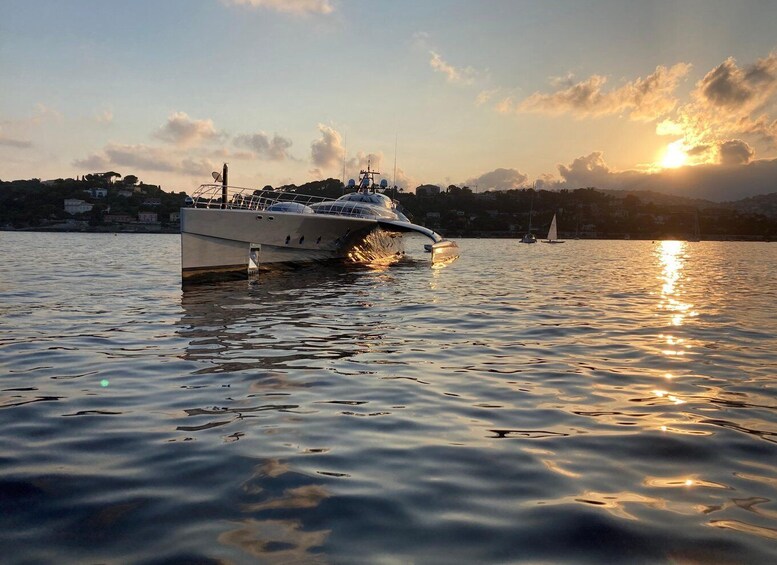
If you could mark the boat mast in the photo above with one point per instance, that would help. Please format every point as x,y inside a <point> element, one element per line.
<point>394,178</point>
<point>345,154</point>
<point>224,187</point>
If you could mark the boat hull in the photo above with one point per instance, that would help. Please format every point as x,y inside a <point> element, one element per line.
<point>227,243</point>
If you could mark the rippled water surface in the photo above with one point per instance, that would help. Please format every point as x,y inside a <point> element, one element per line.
<point>587,402</point>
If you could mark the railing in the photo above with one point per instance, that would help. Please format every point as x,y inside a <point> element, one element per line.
<point>239,198</point>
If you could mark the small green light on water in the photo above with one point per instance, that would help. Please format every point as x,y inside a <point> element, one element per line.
<point>104,383</point>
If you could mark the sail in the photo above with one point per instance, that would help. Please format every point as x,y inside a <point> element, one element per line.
<point>553,231</point>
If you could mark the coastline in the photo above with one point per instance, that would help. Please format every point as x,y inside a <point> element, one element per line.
<point>151,229</point>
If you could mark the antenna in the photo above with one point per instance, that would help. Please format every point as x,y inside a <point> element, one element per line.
<point>345,153</point>
<point>394,179</point>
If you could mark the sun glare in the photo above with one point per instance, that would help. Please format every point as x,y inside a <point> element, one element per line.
<point>674,156</point>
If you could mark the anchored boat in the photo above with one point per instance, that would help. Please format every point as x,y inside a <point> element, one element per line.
<point>227,231</point>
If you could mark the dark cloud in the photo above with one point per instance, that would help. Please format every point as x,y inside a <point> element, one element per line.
<point>732,101</point>
<point>735,152</point>
<point>730,86</point>
<point>724,85</point>
<point>717,182</point>
<point>275,149</point>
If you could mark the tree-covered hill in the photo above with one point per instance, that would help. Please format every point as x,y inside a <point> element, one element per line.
<point>117,203</point>
<point>29,204</point>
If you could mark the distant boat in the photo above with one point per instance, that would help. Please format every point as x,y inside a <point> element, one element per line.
<point>529,237</point>
<point>696,230</point>
<point>552,232</point>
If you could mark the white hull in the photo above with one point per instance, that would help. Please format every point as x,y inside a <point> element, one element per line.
<point>226,242</point>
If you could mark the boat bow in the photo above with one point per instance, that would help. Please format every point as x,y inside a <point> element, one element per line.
<point>442,249</point>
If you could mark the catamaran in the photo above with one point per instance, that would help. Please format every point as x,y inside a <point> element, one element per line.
<point>228,232</point>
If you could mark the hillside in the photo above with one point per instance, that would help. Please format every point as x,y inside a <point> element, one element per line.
<point>108,201</point>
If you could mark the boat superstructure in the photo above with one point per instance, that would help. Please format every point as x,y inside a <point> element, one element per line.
<point>226,231</point>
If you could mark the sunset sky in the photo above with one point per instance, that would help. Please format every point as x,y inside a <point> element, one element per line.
<point>672,95</point>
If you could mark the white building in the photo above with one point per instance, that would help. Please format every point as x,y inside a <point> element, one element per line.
<point>97,192</point>
<point>77,206</point>
<point>147,217</point>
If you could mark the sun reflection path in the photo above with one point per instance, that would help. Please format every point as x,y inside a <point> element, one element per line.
<point>672,257</point>
<point>672,302</point>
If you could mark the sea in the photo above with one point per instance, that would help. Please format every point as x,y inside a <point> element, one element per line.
<point>591,402</point>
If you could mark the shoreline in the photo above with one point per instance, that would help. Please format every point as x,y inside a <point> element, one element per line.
<point>481,235</point>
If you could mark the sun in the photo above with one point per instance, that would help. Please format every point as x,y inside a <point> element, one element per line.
<point>674,156</point>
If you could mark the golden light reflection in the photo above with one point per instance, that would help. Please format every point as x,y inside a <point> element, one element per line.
<point>671,397</point>
<point>682,482</point>
<point>672,258</point>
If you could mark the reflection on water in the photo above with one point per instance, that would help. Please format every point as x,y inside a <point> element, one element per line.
<point>593,402</point>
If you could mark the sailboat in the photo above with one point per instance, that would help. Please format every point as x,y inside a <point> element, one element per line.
<point>553,232</point>
<point>529,237</point>
<point>696,229</point>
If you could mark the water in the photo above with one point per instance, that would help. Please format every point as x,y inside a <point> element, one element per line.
<point>588,402</point>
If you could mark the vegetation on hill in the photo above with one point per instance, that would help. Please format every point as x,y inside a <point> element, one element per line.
<point>584,212</point>
<point>29,204</point>
<point>454,211</point>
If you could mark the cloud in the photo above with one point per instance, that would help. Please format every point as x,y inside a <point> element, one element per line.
<point>145,158</point>
<point>455,75</point>
<point>485,96</point>
<point>16,130</point>
<point>8,141</point>
<point>735,152</point>
<point>731,101</point>
<point>498,179</point>
<point>404,181</point>
<point>43,114</point>
<point>328,150</point>
<point>180,129</point>
<point>643,99</point>
<point>727,180</point>
<point>104,116</point>
<point>275,149</point>
<point>733,88</point>
<point>590,170</point>
<point>362,159</point>
<point>295,7</point>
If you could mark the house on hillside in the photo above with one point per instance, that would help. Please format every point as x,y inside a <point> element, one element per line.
<point>118,219</point>
<point>147,217</point>
<point>77,206</point>
<point>427,190</point>
<point>96,192</point>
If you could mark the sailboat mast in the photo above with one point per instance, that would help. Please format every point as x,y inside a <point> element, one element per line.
<point>345,154</point>
<point>394,178</point>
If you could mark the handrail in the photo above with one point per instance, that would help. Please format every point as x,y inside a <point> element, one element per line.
<point>242,198</point>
